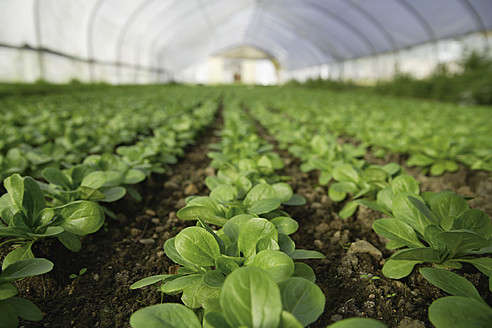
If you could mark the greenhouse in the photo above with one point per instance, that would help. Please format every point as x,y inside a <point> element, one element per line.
<point>246,163</point>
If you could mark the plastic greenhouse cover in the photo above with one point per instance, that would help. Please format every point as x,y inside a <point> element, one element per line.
<point>174,34</point>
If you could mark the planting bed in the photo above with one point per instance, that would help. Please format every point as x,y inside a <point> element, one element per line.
<point>130,248</point>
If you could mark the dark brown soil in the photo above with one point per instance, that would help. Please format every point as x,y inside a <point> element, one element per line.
<point>130,248</point>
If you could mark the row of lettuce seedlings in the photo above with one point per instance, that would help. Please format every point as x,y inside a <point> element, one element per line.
<point>437,228</point>
<point>67,204</point>
<point>237,265</point>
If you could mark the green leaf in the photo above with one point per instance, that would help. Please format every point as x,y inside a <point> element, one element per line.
<point>264,205</point>
<point>285,225</point>
<point>373,205</point>
<point>461,242</point>
<point>420,205</point>
<point>21,253</point>
<point>460,312</point>
<point>448,204</point>
<point>70,241</point>
<point>289,321</point>
<point>474,220</point>
<point>223,192</point>
<point>404,183</point>
<point>303,299</point>
<point>295,200</point>
<point>404,210</point>
<point>200,295</point>
<point>113,194</point>
<point>484,264</point>
<point>375,173</point>
<point>345,172</point>
<point>172,253</point>
<point>286,244</point>
<point>215,320</point>
<point>385,198</point>
<point>250,297</point>
<point>282,191</point>
<point>213,278</point>
<point>358,323</point>
<point>8,315</point>
<point>277,264</point>
<point>81,217</point>
<point>133,177</point>
<point>423,254</point>
<point>336,196</point>
<point>167,315</point>
<point>252,231</point>
<point>438,168</point>
<point>15,189</point>
<point>205,213</point>
<point>234,225</point>
<point>149,281</point>
<point>397,269</point>
<point>226,265</point>
<point>7,290</point>
<point>25,309</point>
<point>25,268</point>
<point>219,241</point>
<point>348,210</point>
<point>344,187</point>
<point>302,270</point>
<point>180,283</point>
<point>302,254</point>
<point>450,282</point>
<point>57,177</point>
<point>259,192</point>
<point>88,193</point>
<point>398,231</point>
<point>33,201</point>
<point>197,246</point>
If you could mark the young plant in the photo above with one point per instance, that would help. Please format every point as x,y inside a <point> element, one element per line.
<point>464,309</point>
<point>81,182</point>
<point>362,184</point>
<point>77,276</point>
<point>250,297</point>
<point>12,307</point>
<point>437,228</point>
<point>27,218</point>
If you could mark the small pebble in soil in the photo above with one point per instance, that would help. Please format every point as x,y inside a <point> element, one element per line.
<point>159,229</point>
<point>336,317</point>
<point>362,246</point>
<point>95,277</point>
<point>135,232</point>
<point>156,220</point>
<point>150,212</point>
<point>160,253</point>
<point>191,189</point>
<point>146,241</point>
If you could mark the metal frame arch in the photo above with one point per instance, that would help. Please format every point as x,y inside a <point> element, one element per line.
<point>471,10</point>
<point>90,36</point>
<point>38,36</point>
<point>123,32</point>
<point>294,31</point>
<point>376,23</point>
<point>347,25</point>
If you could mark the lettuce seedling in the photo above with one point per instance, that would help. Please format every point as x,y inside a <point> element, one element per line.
<point>439,228</point>
<point>465,309</point>
<point>249,298</point>
<point>363,184</point>
<point>12,307</point>
<point>27,218</point>
<point>80,182</point>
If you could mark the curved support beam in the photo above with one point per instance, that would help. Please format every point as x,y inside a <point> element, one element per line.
<point>124,30</point>
<point>90,36</point>
<point>347,25</point>
<point>39,40</point>
<point>377,24</point>
<point>476,17</point>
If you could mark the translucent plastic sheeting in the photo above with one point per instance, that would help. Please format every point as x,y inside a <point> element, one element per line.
<point>121,40</point>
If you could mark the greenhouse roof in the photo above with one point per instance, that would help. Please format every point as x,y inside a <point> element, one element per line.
<point>174,34</point>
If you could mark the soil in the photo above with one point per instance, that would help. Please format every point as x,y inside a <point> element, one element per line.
<point>130,248</point>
